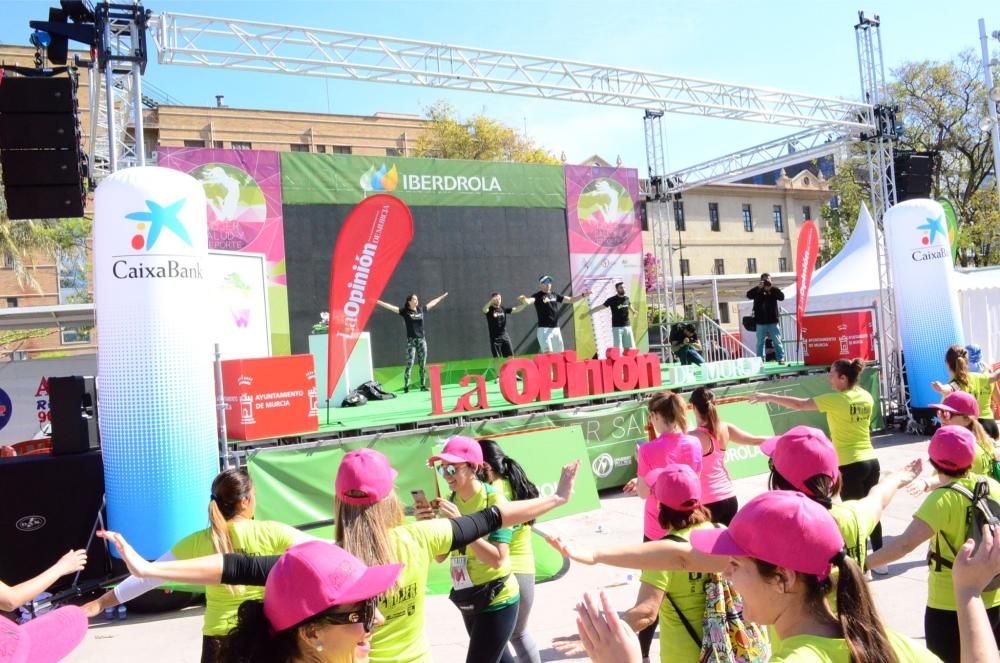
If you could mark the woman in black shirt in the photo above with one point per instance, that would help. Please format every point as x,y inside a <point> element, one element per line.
<point>416,345</point>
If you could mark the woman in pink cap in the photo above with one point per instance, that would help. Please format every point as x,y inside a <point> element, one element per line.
<point>320,604</point>
<point>942,517</point>
<point>961,409</point>
<point>979,385</point>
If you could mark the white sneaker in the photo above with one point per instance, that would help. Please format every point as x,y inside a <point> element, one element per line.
<point>881,570</point>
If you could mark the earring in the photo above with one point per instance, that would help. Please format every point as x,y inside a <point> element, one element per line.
<point>319,647</point>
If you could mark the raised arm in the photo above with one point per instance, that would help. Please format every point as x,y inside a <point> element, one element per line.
<point>915,533</point>
<point>11,597</point>
<point>597,309</point>
<point>790,402</point>
<point>387,307</point>
<point>740,436</point>
<point>437,300</point>
<point>487,305</point>
<point>994,376</point>
<point>881,494</point>
<point>780,296</point>
<point>663,555</point>
<point>525,303</point>
<point>572,299</point>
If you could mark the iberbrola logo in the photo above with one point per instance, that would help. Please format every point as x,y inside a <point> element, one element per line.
<point>931,229</point>
<point>151,223</point>
<point>385,179</point>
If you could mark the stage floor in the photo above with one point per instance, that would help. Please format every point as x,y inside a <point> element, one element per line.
<point>413,409</point>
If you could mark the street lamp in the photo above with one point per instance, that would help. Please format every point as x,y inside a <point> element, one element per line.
<point>990,124</point>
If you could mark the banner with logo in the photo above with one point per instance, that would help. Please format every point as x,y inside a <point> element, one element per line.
<point>832,336</point>
<point>243,192</point>
<point>605,247</point>
<point>155,377</point>
<point>805,262</point>
<point>370,245</point>
<point>24,394</point>
<point>336,179</point>
<point>270,397</point>
<point>927,308</point>
<point>954,229</point>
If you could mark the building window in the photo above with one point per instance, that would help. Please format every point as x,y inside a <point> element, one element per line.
<point>751,265</point>
<point>340,149</point>
<point>782,264</point>
<point>194,143</point>
<point>713,216</point>
<point>74,336</point>
<point>73,278</point>
<point>321,149</point>
<point>393,152</point>
<point>242,145</point>
<point>217,144</point>
<point>679,215</point>
<point>8,260</point>
<point>299,147</point>
<point>12,302</point>
<point>747,218</point>
<point>685,267</point>
<point>807,213</point>
<point>724,313</point>
<point>779,222</point>
<point>720,267</point>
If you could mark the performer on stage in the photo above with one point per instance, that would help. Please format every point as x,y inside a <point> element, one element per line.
<point>547,307</point>
<point>496,318</point>
<point>416,345</point>
<point>621,328</point>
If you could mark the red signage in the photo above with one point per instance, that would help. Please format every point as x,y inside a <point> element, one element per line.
<point>543,373</point>
<point>832,336</point>
<point>805,262</point>
<point>270,397</point>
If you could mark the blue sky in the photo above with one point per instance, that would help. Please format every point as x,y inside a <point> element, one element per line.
<point>800,46</point>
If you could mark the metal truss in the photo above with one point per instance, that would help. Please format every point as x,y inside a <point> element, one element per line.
<point>659,224</point>
<point>184,39</point>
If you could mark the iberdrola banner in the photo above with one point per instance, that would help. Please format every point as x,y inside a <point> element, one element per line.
<point>370,245</point>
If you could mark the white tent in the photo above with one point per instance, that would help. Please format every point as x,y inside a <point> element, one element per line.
<point>979,297</point>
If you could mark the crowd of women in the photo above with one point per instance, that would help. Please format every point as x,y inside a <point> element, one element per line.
<point>797,554</point>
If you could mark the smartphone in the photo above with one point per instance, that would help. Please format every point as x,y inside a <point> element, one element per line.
<point>420,499</point>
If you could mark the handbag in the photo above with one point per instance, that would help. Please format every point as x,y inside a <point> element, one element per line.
<point>473,600</point>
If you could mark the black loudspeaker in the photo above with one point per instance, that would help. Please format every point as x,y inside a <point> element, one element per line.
<point>73,405</point>
<point>43,166</point>
<point>914,174</point>
<point>51,505</point>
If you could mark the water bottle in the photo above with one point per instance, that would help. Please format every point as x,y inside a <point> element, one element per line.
<point>122,613</point>
<point>109,614</point>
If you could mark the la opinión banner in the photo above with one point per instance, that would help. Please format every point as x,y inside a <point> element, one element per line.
<point>370,245</point>
<point>805,262</point>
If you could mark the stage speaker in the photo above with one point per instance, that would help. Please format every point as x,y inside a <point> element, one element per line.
<point>51,505</point>
<point>73,405</point>
<point>44,168</point>
<point>914,174</point>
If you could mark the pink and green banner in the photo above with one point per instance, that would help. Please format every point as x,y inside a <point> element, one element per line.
<point>243,188</point>
<point>605,247</point>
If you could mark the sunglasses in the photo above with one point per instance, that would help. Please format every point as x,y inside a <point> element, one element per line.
<point>448,470</point>
<point>364,616</point>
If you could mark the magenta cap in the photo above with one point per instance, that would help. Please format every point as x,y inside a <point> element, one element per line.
<point>800,454</point>
<point>675,486</point>
<point>459,449</point>
<point>959,402</point>
<point>953,447</point>
<point>364,477</point>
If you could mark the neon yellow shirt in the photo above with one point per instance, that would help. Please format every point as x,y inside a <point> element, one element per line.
<point>250,537</point>
<point>479,572</point>
<point>944,511</point>
<point>983,462</point>
<point>856,519</point>
<point>402,638</point>
<point>522,557</point>
<point>688,592</point>
<point>849,415</point>
<point>815,649</point>
<point>981,389</point>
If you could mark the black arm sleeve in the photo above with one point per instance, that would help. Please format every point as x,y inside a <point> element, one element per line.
<point>239,569</point>
<point>467,529</point>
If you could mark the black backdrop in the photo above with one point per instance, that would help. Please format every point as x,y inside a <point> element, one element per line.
<point>466,251</point>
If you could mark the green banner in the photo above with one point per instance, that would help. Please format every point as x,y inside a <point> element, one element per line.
<point>954,230</point>
<point>335,179</point>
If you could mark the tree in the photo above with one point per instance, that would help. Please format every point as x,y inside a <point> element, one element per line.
<point>479,138</point>
<point>840,214</point>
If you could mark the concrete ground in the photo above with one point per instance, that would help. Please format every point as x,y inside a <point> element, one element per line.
<point>901,596</point>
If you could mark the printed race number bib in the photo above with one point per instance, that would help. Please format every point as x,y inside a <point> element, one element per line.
<point>460,572</point>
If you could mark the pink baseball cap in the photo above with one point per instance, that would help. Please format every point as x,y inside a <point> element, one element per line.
<point>959,402</point>
<point>45,639</point>
<point>315,576</point>
<point>459,449</point>
<point>800,454</point>
<point>675,486</point>
<point>364,477</point>
<point>754,533</point>
<point>953,447</point>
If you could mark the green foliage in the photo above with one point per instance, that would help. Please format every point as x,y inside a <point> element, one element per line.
<point>850,183</point>
<point>478,138</point>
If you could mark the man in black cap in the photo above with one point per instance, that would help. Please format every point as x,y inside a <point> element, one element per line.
<point>547,307</point>
<point>765,315</point>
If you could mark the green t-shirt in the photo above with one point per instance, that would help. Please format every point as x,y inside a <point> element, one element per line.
<point>688,592</point>
<point>250,537</point>
<point>815,649</point>
<point>402,639</point>
<point>983,462</point>
<point>944,511</point>
<point>479,572</point>
<point>849,415</point>
<point>981,389</point>
<point>522,557</point>
<point>855,519</point>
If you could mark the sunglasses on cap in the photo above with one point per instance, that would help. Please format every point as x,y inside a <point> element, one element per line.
<point>448,470</point>
<point>364,616</point>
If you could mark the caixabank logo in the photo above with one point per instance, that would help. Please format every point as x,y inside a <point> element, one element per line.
<point>149,228</point>
<point>929,250</point>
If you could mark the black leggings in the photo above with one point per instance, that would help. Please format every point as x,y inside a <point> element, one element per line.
<point>647,634</point>
<point>724,510</point>
<point>859,478</point>
<point>489,633</point>
<point>941,632</point>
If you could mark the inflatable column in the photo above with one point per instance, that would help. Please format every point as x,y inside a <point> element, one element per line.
<point>926,303</point>
<point>154,359</point>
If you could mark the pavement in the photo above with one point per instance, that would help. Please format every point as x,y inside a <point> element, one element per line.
<point>900,596</point>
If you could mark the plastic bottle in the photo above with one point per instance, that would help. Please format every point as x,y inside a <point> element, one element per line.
<point>122,612</point>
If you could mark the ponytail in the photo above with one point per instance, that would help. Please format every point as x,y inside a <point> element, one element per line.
<point>957,359</point>
<point>859,620</point>
<point>703,401</point>
<point>253,640</point>
<point>671,407</point>
<point>850,369</point>
<point>229,489</point>
<point>982,437</point>
<point>505,467</point>
<point>819,488</point>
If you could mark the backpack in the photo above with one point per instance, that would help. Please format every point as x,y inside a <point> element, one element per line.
<point>373,391</point>
<point>726,637</point>
<point>983,510</point>
<point>354,399</point>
